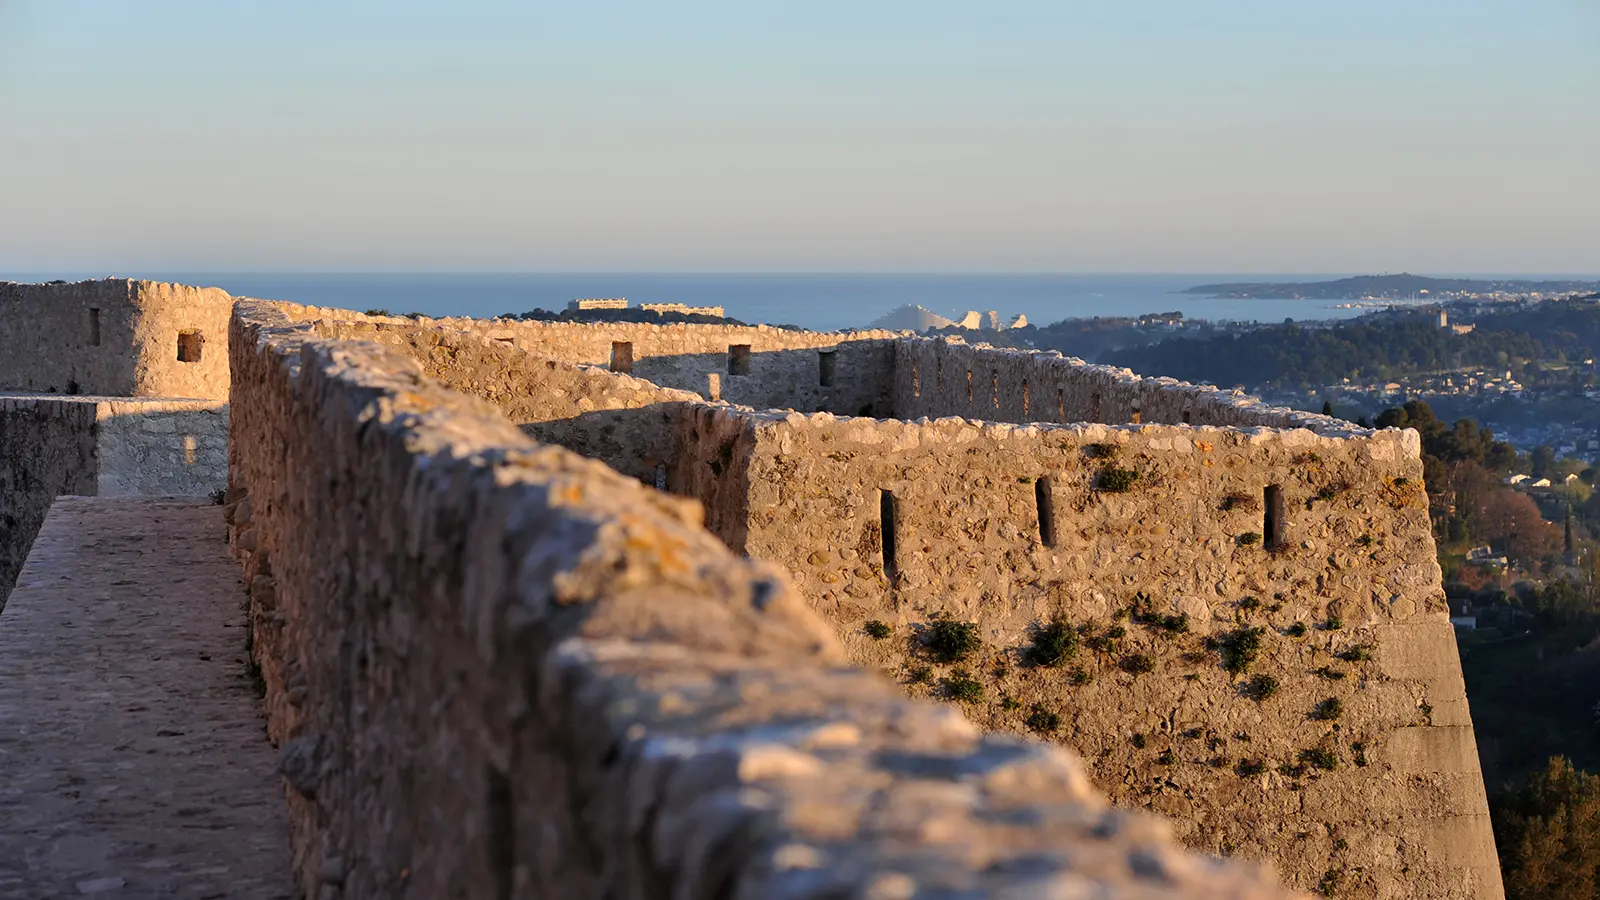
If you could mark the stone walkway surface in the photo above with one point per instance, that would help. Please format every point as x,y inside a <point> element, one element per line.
<point>133,756</point>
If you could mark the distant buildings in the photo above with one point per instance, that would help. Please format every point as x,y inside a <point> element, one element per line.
<point>590,303</point>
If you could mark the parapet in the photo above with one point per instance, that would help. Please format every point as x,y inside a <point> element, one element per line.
<point>114,337</point>
<point>463,632</point>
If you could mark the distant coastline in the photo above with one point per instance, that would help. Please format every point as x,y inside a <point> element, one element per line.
<point>1391,287</point>
<point>1394,287</point>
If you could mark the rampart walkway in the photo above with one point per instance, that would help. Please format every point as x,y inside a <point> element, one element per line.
<point>133,760</point>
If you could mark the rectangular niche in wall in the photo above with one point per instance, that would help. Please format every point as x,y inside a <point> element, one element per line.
<point>94,327</point>
<point>739,359</point>
<point>622,357</point>
<point>827,367</point>
<point>1272,517</point>
<point>190,345</point>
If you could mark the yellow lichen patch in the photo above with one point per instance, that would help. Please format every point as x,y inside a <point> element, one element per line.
<point>1205,447</point>
<point>1403,492</point>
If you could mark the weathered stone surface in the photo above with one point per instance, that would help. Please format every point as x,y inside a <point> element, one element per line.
<point>135,763</point>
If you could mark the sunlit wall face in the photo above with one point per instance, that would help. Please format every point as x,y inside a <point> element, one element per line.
<point>1161,135</point>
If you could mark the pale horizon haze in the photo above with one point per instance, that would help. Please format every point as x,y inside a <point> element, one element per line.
<point>1137,136</point>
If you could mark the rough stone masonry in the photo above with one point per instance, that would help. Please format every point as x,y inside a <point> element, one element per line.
<point>1230,611</point>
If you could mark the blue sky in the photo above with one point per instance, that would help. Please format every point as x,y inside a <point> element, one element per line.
<point>1137,135</point>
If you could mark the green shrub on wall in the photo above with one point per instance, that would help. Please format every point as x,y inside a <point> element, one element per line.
<point>951,642</point>
<point>1112,480</point>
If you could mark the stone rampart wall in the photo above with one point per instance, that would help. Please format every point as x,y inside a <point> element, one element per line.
<point>785,367</point>
<point>46,449</point>
<point>625,422</point>
<point>113,337</point>
<point>938,378</point>
<point>52,445</point>
<point>464,633</point>
<point>1344,751</point>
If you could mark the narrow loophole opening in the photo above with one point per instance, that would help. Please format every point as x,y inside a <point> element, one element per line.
<point>622,357</point>
<point>1061,405</point>
<point>938,374</point>
<point>1026,400</point>
<point>1094,407</point>
<point>1272,517</point>
<point>886,526</point>
<point>94,327</point>
<point>739,359</point>
<point>827,367</point>
<point>500,811</point>
<point>1136,417</point>
<point>1045,503</point>
<point>1186,417</point>
<point>969,387</point>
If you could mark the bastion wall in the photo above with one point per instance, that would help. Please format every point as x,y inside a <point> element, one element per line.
<point>463,632</point>
<point>1343,751</point>
<point>842,372</point>
<point>948,377</point>
<point>114,337</point>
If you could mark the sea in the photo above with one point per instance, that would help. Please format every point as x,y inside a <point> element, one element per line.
<point>814,301</point>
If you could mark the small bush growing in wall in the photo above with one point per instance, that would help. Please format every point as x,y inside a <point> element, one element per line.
<point>1364,541</point>
<point>1167,757</point>
<point>1261,688</point>
<point>1079,678</point>
<point>1053,644</point>
<point>1248,768</point>
<point>1112,480</point>
<point>377,312</point>
<point>1328,710</point>
<point>1239,649</point>
<point>1328,492</point>
<point>1138,741</point>
<point>1334,623</point>
<point>1248,539</point>
<point>951,642</point>
<point>919,674</point>
<point>1329,673</point>
<point>1296,630</point>
<point>1359,653</point>
<point>1106,641</point>
<point>962,687</point>
<point>1427,712</point>
<point>1240,501</point>
<point>1321,758</point>
<point>1042,720</point>
<point>1100,451</point>
<point>1137,664</point>
<point>1143,614</point>
<point>877,630</point>
<point>1009,703</point>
